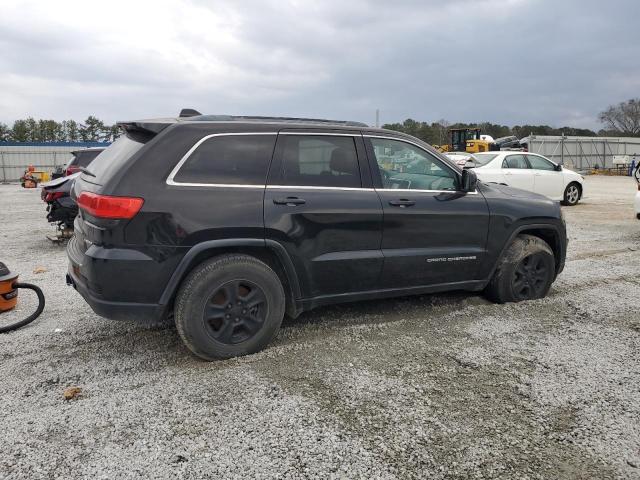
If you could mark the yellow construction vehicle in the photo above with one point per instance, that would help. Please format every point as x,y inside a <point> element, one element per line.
<point>466,140</point>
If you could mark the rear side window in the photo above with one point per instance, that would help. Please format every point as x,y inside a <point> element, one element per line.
<point>229,160</point>
<point>515,161</point>
<point>320,161</point>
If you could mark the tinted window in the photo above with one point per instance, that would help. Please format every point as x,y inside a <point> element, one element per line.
<point>405,166</point>
<point>84,157</point>
<point>112,159</point>
<point>515,161</point>
<point>320,160</point>
<point>540,163</point>
<point>229,159</point>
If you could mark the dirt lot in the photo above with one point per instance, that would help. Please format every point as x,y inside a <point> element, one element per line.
<point>442,386</point>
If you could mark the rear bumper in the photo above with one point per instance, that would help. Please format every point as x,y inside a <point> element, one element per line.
<point>112,282</point>
<point>142,312</point>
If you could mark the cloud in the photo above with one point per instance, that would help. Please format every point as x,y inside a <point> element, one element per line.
<point>504,61</point>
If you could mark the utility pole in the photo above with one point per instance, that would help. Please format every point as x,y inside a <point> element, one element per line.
<point>377,118</point>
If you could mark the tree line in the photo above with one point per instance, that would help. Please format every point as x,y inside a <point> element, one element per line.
<point>32,130</point>
<point>621,120</point>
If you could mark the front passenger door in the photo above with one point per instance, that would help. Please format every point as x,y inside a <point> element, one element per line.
<point>517,172</point>
<point>547,180</point>
<point>433,233</point>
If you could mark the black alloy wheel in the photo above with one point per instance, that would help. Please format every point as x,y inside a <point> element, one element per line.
<point>235,311</point>
<point>531,277</point>
<point>525,271</point>
<point>228,306</point>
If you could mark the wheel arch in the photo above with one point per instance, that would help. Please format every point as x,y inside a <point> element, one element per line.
<point>269,252</point>
<point>548,232</point>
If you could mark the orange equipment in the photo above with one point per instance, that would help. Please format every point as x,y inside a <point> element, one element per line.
<point>9,298</point>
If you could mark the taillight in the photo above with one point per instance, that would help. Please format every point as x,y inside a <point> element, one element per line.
<point>106,206</point>
<point>51,196</point>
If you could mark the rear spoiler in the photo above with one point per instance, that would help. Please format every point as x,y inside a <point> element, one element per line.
<point>144,130</point>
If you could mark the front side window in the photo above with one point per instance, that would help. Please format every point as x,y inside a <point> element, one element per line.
<point>320,161</point>
<point>540,163</point>
<point>405,166</point>
<point>229,159</point>
<point>515,161</point>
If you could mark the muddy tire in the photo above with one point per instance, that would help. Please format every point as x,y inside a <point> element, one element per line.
<point>572,194</point>
<point>525,271</point>
<point>229,306</point>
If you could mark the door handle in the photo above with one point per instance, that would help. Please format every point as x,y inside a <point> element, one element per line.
<point>508,173</point>
<point>289,201</point>
<point>402,203</point>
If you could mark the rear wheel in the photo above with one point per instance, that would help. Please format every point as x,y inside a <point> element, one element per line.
<point>571,194</point>
<point>525,272</point>
<point>229,306</point>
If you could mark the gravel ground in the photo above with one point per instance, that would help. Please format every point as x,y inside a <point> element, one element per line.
<point>438,386</point>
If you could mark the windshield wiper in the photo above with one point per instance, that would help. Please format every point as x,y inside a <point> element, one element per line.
<point>87,172</point>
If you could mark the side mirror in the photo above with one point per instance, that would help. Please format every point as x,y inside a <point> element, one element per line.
<point>558,168</point>
<point>469,180</point>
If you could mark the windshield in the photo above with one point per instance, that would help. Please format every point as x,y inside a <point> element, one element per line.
<point>112,159</point>
<point>484,158</point>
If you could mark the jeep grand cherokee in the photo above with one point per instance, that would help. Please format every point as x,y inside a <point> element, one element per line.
<point>225,224</point>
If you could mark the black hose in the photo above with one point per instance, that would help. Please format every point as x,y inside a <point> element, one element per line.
<point>34,315</point>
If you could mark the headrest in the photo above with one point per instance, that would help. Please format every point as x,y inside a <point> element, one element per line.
<point>343,161</point>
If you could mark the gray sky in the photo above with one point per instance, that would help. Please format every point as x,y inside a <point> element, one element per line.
<point>504,61</point>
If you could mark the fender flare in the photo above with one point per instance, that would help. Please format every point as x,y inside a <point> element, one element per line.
<point>276,247</point>
<point>528,226</point>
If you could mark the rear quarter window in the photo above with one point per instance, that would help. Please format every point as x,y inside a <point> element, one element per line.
<point>228,160</point>
<point>84,158</point>
<point>112,159</point>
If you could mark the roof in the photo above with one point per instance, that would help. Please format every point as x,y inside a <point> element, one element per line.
<point>55,144</point>
<point>191,115</point>
<point>287,120</point>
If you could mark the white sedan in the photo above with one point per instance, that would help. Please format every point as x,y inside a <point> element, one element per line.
<point>530,171</point>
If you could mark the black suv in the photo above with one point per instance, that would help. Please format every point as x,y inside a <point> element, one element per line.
<point>226,224</point>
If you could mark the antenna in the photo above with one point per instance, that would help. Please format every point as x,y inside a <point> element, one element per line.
<point>188,112</point>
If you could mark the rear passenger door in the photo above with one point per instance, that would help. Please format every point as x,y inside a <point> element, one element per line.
<point>320,205</point>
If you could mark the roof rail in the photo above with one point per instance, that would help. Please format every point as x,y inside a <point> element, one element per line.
<point>251,118</point>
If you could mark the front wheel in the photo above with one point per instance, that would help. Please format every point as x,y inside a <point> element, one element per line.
<point>571,194</point>
<point>525,272</point>
<point>229,306</point>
